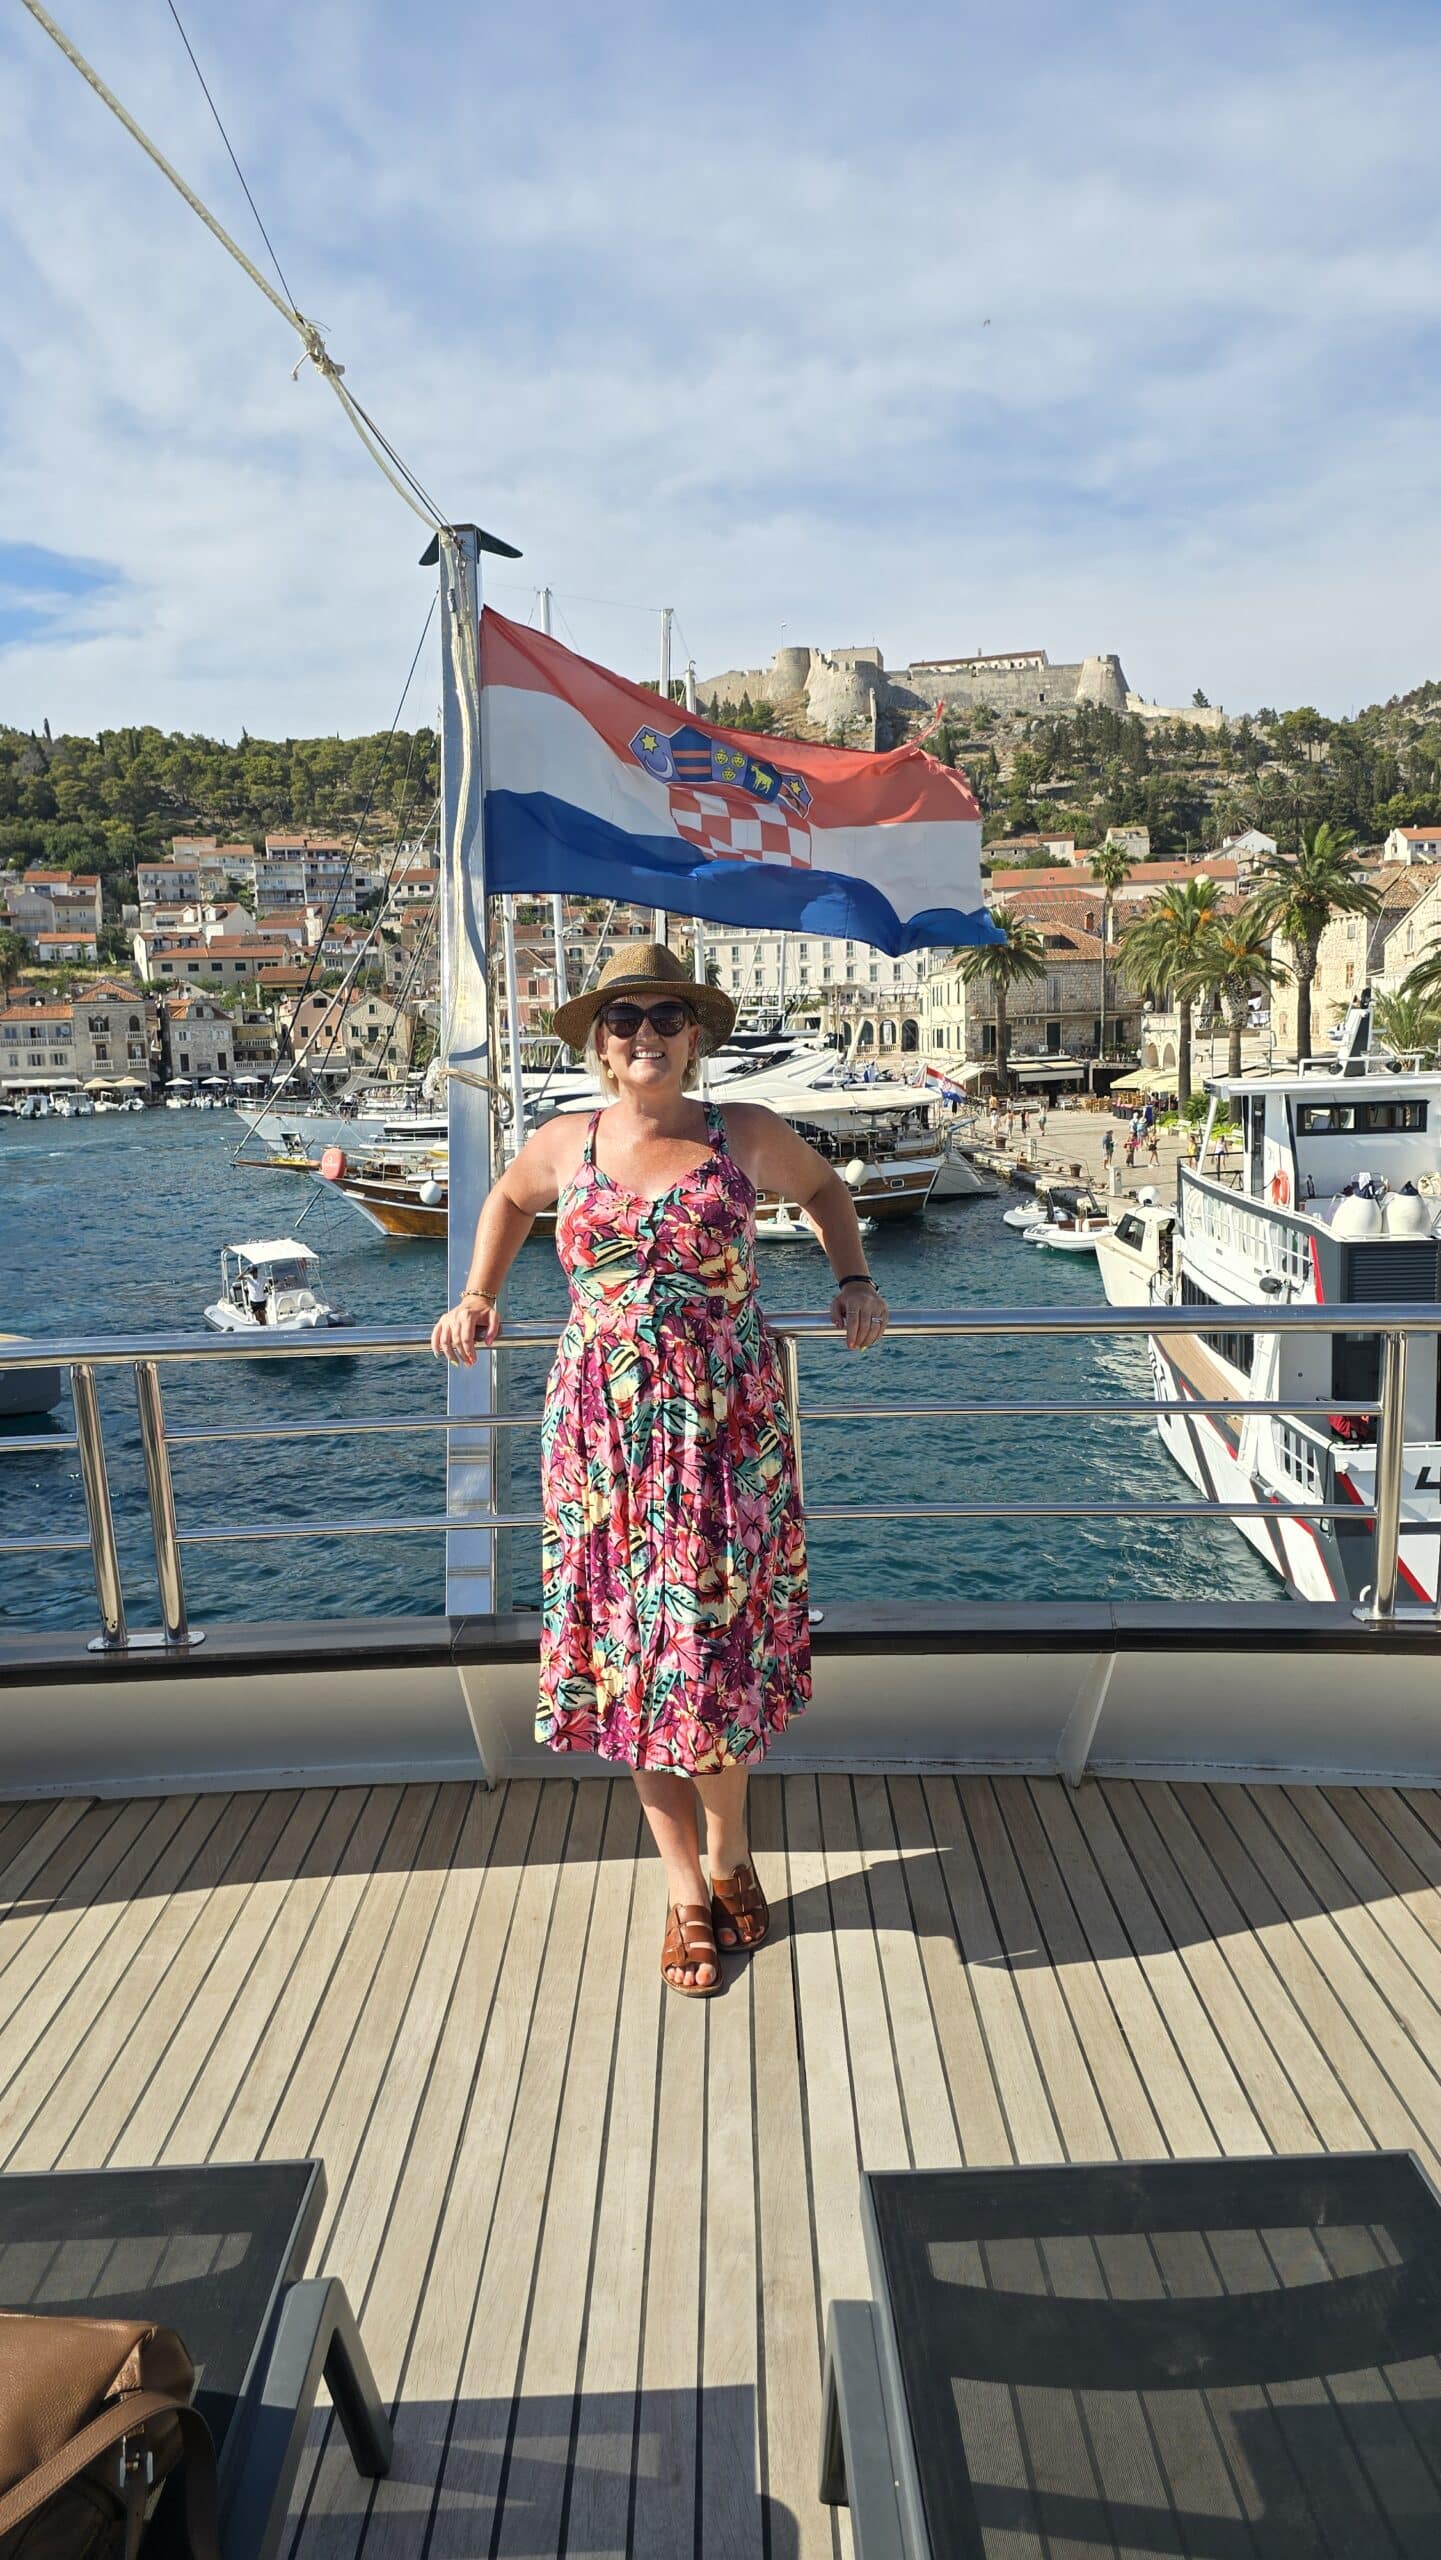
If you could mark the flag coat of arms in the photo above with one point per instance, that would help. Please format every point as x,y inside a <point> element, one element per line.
<point>595,786</point>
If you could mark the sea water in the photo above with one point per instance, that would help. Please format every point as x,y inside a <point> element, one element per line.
<point>114,1226</point>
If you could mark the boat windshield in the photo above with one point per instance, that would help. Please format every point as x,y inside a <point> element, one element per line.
<point>284,1275</point>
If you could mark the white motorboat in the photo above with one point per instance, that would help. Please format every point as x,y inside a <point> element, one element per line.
<point>1337,1198</point>
<point>783,1223</point>
<point>1135,1255</point>
<point>272,1287</point>
<point>1027,1213</point>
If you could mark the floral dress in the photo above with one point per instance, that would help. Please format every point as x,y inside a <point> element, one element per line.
<point>675,1632</point>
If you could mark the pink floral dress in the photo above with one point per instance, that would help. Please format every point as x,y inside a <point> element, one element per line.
<point>675,1633</point>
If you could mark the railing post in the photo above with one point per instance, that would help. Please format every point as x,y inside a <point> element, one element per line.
<point>161,1489</point>
<point>1390,1453</point>
<point>104,1556</point>
<point>791,1369</point>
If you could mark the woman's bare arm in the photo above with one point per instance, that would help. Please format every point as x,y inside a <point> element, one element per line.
<point>775,1158</point>
<point>531,1182</point>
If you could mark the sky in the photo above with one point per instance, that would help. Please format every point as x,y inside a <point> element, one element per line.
<point>946,329</point>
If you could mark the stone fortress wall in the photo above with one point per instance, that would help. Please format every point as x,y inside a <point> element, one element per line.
<point>850,688</point>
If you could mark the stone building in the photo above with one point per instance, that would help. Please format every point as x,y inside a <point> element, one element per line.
<point>1055,1021</point>
<point>196,1039</point>
<point>106,1033</point>
<point>850,689</point>
<point>855,996</point>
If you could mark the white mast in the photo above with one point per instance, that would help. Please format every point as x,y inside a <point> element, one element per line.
<point>557,904</point>
<point>697,929</point>
<point>658,918</point>
<point>465,1042</point>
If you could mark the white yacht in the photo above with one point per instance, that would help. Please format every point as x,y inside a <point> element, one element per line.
<point>1337,1201</point>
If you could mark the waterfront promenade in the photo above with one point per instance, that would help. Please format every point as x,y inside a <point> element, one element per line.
<point>1073,1137</point>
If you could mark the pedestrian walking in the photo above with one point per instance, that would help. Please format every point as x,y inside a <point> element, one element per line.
<point>1108,1148</point>
<point>1153,1145</point>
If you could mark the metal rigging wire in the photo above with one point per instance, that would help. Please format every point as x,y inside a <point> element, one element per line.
<point>382,452</point>
<point>234,163</point>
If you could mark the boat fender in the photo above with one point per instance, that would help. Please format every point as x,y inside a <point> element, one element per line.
<point>1281,1190</point>
<point>332,1164</point>
<point>854,1172</point>
<point>432,1194</point>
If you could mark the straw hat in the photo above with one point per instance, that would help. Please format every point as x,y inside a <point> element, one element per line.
<point>646,969</point>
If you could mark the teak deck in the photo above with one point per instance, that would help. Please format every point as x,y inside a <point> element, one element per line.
<point>590,2229</point>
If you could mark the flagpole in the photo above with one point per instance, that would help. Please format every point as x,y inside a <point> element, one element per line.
<point>658,914</point>
<point>697,929</point>
<point>471,1555</point>
<point>557,904</point>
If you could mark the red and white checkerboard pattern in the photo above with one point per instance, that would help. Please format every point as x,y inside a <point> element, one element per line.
<point>740,829</point>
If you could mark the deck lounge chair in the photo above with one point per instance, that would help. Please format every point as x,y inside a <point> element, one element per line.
<point>218,2253</point>
<point>1228,2358</point>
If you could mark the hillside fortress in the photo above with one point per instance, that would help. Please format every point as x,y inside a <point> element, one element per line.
<point>851,689</point>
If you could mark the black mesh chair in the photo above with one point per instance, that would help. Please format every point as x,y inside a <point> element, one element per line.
<point>218,2253</point>
<point>1224,2359</point>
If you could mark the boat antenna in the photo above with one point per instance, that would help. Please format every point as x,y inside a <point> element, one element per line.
<point>312,338</point>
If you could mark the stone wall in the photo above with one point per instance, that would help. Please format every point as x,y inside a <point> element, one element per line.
<point>847,687</point>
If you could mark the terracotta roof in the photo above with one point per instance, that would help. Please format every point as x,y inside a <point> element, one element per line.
<point>39,1013</point>
<point>73,933</point>
<point>1428,835</point>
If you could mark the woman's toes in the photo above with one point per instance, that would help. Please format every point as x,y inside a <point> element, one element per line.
<point>727,1936</point>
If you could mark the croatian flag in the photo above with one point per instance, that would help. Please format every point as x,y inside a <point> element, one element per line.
<point>596,786</point>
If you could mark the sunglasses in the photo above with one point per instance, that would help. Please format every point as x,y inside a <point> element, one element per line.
<point>669,1018</point>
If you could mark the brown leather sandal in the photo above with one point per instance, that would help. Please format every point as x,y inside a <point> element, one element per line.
<point>687,1922</point>
<point>738,1903</point>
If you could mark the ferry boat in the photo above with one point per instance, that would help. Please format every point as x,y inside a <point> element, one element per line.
<point>1336,1202</point>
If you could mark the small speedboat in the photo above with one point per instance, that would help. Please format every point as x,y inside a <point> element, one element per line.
<point>1068,1235</point>
<point>784,1225</point>
<point>271,1287</point>
<point>1028,1213</point>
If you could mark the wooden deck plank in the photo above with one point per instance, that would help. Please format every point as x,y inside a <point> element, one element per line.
<point>976,2109</point>
<point>609,2381</point>
<point>1290,2075</point>
<point>87,2032</point>
<point>579,2218</point>
<point>789,2374</point>
<point>1030,2117</point>
<point>1121,1916</point>
<point>1098,2001</point>
<point>932,2137</point>
<point>532,2492</point>
<point>419,2366</point>
<point>1064,2061</point>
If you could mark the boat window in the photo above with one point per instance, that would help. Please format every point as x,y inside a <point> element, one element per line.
<point>1318,1119</point>
<point>1130,1231</point>
<point>1238,1348</point>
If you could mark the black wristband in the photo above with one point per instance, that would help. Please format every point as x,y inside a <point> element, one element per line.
<point>856,1279</point>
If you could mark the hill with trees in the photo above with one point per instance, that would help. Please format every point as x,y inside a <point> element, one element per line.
<point>103,804</point>
<point>1284,771</point>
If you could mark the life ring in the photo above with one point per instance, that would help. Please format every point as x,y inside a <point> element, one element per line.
<point>1281,1190</point>
<point>332,1164</point>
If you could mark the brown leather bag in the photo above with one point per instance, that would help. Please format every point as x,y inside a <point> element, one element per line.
<point>94,2416</point>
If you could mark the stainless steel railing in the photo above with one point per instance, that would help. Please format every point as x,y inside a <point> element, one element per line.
<point>146,1358</point>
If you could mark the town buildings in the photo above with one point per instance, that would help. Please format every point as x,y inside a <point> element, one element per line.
<point>106,1034</point>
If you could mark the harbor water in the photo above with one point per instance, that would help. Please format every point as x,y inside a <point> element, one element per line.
<point>114,1226</point>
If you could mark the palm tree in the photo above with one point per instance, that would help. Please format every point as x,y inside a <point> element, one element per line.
<point>1110,869</point>
<point>1000,966</point>
<point>1297,894</point>
<point>1425,978</point>
<point>1409,1021</point>
<point>1161,950</point>
<point>1232,964</point>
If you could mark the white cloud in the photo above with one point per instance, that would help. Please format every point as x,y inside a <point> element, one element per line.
<point>693,336</point>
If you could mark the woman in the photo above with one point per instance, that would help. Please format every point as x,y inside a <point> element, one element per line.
<point>675,1634</point>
